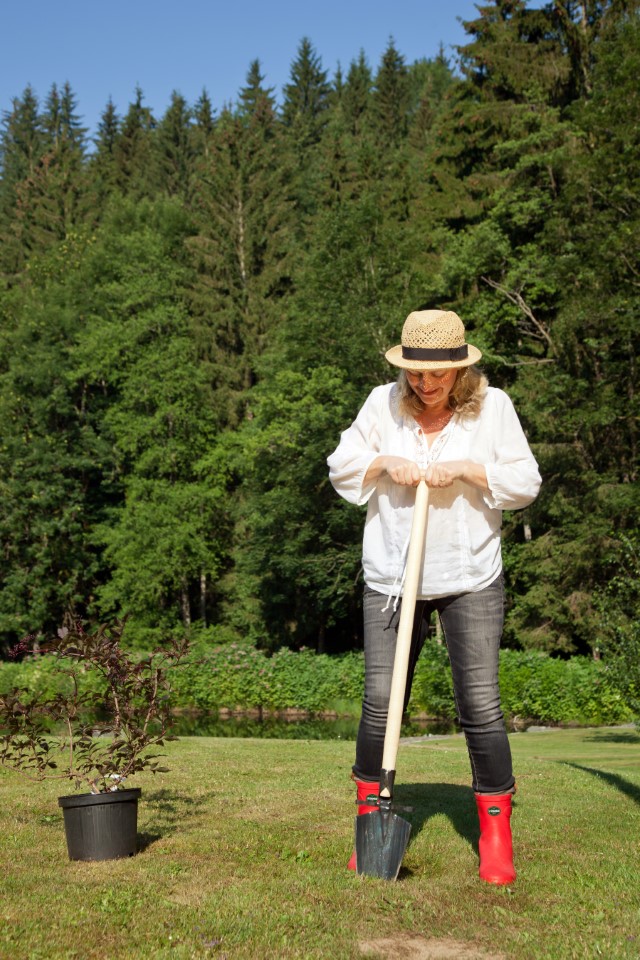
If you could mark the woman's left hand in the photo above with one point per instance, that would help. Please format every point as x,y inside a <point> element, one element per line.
<point>443,474</point>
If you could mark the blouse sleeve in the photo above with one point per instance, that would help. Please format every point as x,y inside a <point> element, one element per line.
<point>358,448</point>
<point>513,477</point>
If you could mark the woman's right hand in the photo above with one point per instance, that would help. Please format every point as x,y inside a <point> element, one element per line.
<point>404,472</point>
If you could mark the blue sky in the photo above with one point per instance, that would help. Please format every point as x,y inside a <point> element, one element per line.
<point>106,49</point>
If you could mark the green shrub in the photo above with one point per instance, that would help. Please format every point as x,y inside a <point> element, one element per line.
<point>534,686</point>
<point>42,677</point>
<point>239,676</point>
<point>539,687</point>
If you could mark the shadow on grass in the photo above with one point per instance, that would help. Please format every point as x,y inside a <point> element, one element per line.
<point>168,811</point>
<point>145,840</point>
<point>630,790</point>
<point>617,737</point>
<point>430,799</point>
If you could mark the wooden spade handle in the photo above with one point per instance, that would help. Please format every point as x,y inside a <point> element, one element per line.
<point>405,630</point>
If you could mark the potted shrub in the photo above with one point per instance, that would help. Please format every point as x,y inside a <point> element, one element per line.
<point>99,731</point>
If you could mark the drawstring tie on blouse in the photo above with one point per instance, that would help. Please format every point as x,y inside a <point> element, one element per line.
<point>404,554</point>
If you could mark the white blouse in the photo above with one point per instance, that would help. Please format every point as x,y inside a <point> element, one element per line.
<point>462,549</point>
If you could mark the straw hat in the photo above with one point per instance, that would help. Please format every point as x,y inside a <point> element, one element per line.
<point>433,340</point>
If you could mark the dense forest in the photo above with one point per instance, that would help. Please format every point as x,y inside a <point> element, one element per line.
<point>193,306</point>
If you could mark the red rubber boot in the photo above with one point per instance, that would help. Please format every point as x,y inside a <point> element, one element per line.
<point>495,846</point>
<point>365,789</point>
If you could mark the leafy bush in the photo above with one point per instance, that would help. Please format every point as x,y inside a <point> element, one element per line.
<point>239,676</point>
<point>534,687</point>
<point>579,690</point>
<point>42,678</point>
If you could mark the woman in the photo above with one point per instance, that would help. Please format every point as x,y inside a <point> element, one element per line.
<point>440,421</point>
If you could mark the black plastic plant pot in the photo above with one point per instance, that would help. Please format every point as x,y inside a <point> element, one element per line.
<point>101,826</point>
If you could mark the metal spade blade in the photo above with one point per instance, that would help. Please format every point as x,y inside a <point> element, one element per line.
<point>381,840</point>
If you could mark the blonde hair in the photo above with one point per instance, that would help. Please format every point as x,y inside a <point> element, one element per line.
<point>465,398</point>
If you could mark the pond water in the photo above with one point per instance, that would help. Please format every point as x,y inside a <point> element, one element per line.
<point>279,729</point>
<point>273,728</point>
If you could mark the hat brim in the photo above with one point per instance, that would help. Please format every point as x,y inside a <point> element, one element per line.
<point>394,356</point>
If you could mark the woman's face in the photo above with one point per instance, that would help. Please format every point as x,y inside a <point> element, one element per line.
<point>432,387</point>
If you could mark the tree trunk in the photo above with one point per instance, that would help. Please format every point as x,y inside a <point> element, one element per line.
<point>203,598</point>
<point>186,606</point>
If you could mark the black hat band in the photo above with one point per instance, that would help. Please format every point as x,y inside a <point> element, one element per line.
<point>426,353</point>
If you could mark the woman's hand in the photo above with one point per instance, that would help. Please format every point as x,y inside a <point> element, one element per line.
<point>443,474</point>
<point>402,471</point>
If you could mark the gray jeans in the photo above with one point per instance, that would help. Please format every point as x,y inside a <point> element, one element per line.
<point>472,626</point>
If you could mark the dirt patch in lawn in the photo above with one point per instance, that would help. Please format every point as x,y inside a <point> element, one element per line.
<point>406,947</point>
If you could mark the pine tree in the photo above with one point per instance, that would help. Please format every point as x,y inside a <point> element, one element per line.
<point>21,141</point>
<point>242,215</point>
<point>356,96</point>
<point>52,203</point>
<point>337,88</point>
<point>516,55</point>
<point>429,83</point>
<point>60,122</point>
<point>135,156</point>
<point>203,125</point>
<point>306,97</point>
<point>305,113</point>
<point>257,101</point>
<point>103,163</point>
<point>175,147</point>
<point>21,146</point>
<point>391,97</point>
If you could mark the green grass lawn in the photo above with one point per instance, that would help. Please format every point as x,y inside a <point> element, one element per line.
<point>244,845</point>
